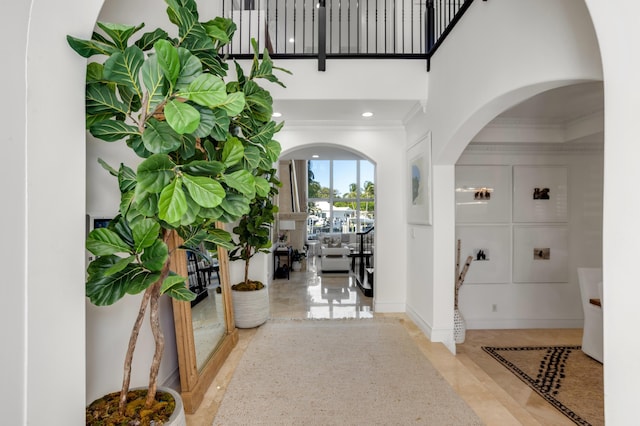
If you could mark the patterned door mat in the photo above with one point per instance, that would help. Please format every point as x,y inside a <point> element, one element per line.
<point>563,375</point>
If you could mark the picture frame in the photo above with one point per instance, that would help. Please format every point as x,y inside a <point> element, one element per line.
<point>419,182</point>
<point>540,194</point>
<point>483,194</point>
<point>490,247</point>
<point>540,254</point>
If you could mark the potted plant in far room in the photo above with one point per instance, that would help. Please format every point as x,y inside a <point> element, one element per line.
<point>251,297</point>
<point>199,140</point>
<point>297,260</point>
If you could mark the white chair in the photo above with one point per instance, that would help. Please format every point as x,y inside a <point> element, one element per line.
<point>590,280</point>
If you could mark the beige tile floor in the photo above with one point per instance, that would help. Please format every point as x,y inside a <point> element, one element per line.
<point>495,396</point>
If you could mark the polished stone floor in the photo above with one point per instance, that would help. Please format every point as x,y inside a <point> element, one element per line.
<point>497,399</point>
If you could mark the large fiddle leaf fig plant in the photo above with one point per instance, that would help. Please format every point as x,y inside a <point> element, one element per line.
<point>200,140</point>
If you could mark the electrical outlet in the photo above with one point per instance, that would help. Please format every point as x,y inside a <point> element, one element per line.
<point>494,308</point>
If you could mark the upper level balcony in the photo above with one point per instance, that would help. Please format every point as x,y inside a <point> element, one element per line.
<point>333,29</point>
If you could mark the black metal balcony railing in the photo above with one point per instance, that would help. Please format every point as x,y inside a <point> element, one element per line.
<point>411,29</point>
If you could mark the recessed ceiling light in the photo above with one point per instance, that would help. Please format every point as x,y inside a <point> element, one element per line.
<point>276,114</point>
<point>367,114</point>
<point>291,40</point>
<point>315,156</point>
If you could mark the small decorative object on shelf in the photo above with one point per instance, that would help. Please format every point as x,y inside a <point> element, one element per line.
<point>459,326</point>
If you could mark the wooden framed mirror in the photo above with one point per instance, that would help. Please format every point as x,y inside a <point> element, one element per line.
<point>205,332</point>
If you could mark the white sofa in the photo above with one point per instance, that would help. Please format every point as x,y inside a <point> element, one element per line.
<point>590,280</point>
<point>334,254</point>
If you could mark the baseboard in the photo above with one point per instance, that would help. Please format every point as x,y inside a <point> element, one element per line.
<point>173,380</point>
<point>389,307</point>
<point>444,336</point>
<point>515,323</point>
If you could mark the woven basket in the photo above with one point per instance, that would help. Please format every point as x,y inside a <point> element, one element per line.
<point>250,308</point>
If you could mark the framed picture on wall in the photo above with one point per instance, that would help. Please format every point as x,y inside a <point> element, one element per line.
<point>540,254</point>
<point>540,194</point>
<point>490,248</point>
<point>419,182</point>
<point>483,194</point>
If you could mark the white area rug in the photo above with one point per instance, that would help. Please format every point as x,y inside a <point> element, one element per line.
<point>338,372</point>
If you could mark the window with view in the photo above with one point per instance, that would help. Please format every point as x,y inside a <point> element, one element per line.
<point>341,196</point>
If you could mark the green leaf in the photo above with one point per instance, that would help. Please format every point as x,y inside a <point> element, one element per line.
<point>145,233</point>
<point>119,265</point>
<point>103,289</point>
<point>273,150</point>
<point>136,144</point>
<point>207,121</point>
<point>235,205</point>
<point>259,101</point>
<point>180,292</point>
<point>155,83</point>
<point>206,89</point>
<point>252,156</point>
<point>112,130</point>
<point>187,146</point>
<point>172,203</point>
<point>126,201</point>
<point>119,33</point>
<point>101,99</point>
<point>124,68</point>
<point>172,280</point>
<point>190,68</point>
<point>141,281</point>
<point>182,117</point>
<point>204,191</point>
<point>234,104</point>
<point>126,179</point>
<point>88,48</point>
<point>203,168</point>
<point>263,134</point>
<point>216,32</point>
<point>147,204</point>
<point>154,257</point>
<point>160,138</point>
<point>103,242</point>
<point>242,181</point>
<point>262,186</point>
<point>190,216</point>
<point>221,238</point>
<point>147,40</point>
<point>220,130</point>
<point>155,173</point>
<point>107,167</point>
<point>168,59</point>
<point>232,152</point>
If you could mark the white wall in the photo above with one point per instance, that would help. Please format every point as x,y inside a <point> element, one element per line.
<point>474,78</point>
<point>377,145</point>
<point>544,305</point>
<point>617,27</point>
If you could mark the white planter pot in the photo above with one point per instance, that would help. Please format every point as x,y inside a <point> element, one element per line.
<point>296,266</point>
<point>250,308</point>
<point>178,418</point>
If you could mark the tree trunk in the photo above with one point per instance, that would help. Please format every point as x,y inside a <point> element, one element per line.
<point>132,346</point>
<point>159,339</point>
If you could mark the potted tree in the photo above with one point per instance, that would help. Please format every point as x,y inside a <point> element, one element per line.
<point>198,139</point>
<point>253,231</point>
